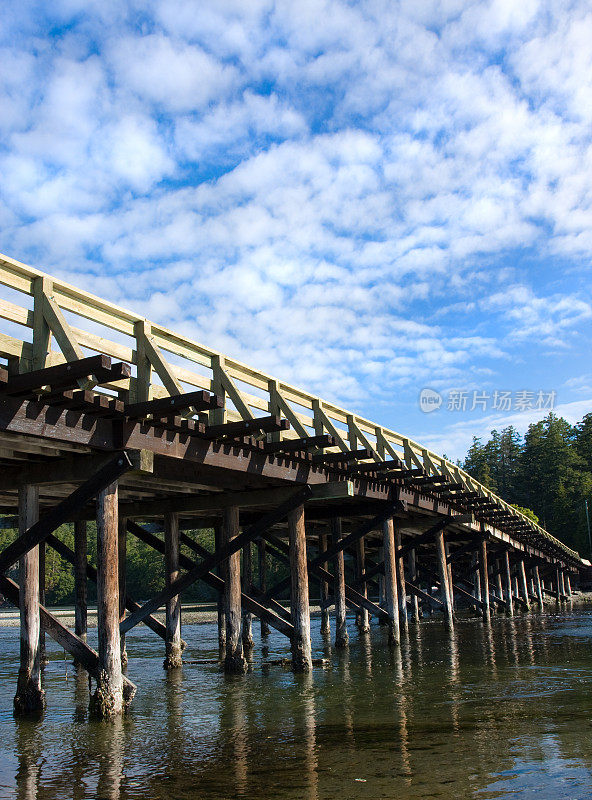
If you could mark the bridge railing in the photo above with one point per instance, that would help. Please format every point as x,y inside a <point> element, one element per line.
<point>49,321</point>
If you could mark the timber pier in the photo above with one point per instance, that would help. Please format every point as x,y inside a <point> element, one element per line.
<point>107,416</point>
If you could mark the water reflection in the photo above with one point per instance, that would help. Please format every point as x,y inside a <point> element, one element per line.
<point>481,711</point>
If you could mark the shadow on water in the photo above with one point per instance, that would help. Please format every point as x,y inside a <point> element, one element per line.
<point>480,712</point>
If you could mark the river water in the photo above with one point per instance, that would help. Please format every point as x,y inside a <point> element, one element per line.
<point>483,713</point>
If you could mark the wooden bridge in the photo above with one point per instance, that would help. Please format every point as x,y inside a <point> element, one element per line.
<point>105,415</point>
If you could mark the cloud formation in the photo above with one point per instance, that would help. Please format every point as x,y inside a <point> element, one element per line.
<point>361,198</point>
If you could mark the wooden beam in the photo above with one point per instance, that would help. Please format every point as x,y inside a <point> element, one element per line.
<point>294,445</point>
<point>244,427</point>
<point>199,400</point>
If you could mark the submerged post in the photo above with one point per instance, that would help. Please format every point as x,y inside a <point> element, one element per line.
<point>444,584</point>
<point>221,604</point>
<point>234,661</point>
<point>363,619</point>
<point>299,603</point>
<point>402,588</point>
<point>324,591</point>
<point>262,567</point>
<point>80,560</point>
<point>247,579</point>
<point>341,634</point>
<point>391,597</point>
<point>484,578</point>
<point>30,697</point>
<point>173,644</point>
<point>508,582</point>
<point>107,700</point>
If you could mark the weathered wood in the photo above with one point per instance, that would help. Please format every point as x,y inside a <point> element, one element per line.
<point>484,578</point>
<point>294,445</point>
<point>401,588</point>
<point>341,634</point>
<point>362,621</point>
<point>200,400</point>
<point>234,661</point>
<point>173,648</point>
<point>262,570</point>
<point>42,655</point>
<point>340,458</point>
<point>108,700</point>
<point>64,510</point>
<point>324,591</point>
<point>523,584</point>
<point>412,567</point>
<point>507,577</point>
<point>60,375</point>
<point>221,602</point>
<point>444,581</point>
<point>391,598</point>
<point>30,697</point>
<point>246,426</point>
<point>247,582</point>
<point>122,578</point>
<point>80,588</point>
<point>299,603</point>
<point>538,587</point>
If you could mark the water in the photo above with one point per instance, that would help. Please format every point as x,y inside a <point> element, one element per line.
<point>496,713</point>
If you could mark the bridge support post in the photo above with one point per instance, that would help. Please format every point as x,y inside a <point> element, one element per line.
<point>498,577</point>
<point>234,661</point>
<point>80,589</point>
<point>121,569</point>
<point>390,580</point>
<point>221,603</point>
<point>508,585</point>
<point>401,587</point>
<point>412,566</point>
<point>299,602</point>
<point>30,697</point>
<point>484,578</point>
<point>173,647</point>
<point>444,583</point>
<point>262,567</point>
<point>341,634</point>
<point>42,656</point>
<point>537,586</point>
<point>107,700</point>
<point>558,586</point>
<point>523,583</point>
<point>247,579</point>
<point>450,581</point>
<point>324,591</point>
<point>476,580</point>
<point>568,586</point>
<point>363,618</point>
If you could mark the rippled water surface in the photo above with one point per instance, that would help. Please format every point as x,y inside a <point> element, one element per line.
<point>484,713</point>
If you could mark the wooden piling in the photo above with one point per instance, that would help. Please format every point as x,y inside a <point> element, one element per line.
<point>262,569</point>
<point>80,588</point>
<point>247,579</point>
<point>299,601</point>
<point>42,553</point>
<point>341,634</point>
<point>363,618</point>
<point>221,603</point>
<point>173,642</point>
<point>412,566</point>
<point>450,582</point>
<point>484,577</point>
<point>234,661</point>
<point>476,580</point>
<point>324,590</point>
<point>122,570</point>
<point>443,572</point>
<point>391,597</point>
<point>557,585</point>
<point>567,582</point>
<point>508,584</point>
<point>523,584</point>
<point>538,587</point>
<point>108,700</point>
<point>30,697</point>
<point>401,587</point>
<point>498,578</point>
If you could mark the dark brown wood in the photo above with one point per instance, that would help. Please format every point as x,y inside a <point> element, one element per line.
<point>122,579</point>
<point>262,569</point>
<point>199,401</point>
<point>340,458</point>
<point>234,661</point>
<point>221,603</point>
<point>65,510</point>
<point>507,576</point>
<point>299,603</point>
<point>363,620</point>
<point>391,598</point>
<point>484,577</point>
<point>30,697</point>
<point>292,445</point>
<point>247,581</point>
<point>341,634</point>
<point>80,588</point>
<point>173,648</point>
<point>324,591</point>
<point>60,375</point>
<point>108,700</point>
<point>246,426</point>
<point>42,653</point>
<point>412,566</point>
<point>443,575</point>
<point>523,584</point>
<point>401,584</point>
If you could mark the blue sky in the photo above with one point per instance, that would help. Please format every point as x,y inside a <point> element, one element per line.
<point>365,199</point>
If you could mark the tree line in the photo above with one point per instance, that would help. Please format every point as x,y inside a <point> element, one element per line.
<point>549,471</point>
